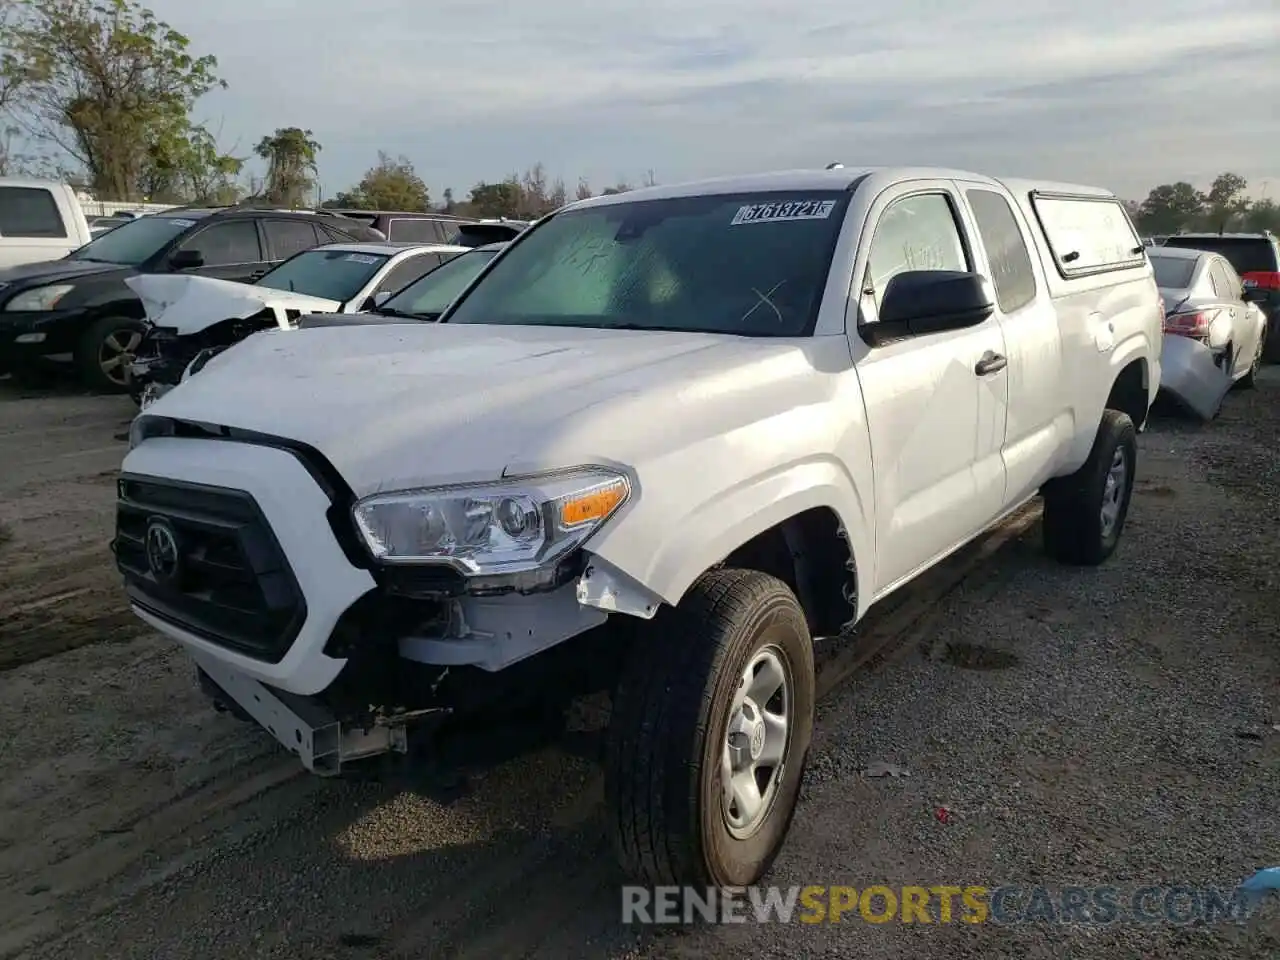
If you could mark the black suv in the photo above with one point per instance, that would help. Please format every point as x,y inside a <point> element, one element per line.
<point>1256,257</point>
<point>81,306</point>
<point>434,227</point>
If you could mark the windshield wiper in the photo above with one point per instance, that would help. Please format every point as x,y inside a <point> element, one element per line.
<point>393,312</point>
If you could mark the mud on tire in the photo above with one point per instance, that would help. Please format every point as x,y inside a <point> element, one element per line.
<point>1078,529</point>
<point>669,738</point>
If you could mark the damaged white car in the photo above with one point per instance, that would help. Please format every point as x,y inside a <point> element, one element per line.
<point>1214,336</point>
<point>193,318</point>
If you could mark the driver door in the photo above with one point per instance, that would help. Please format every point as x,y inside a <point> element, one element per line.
<point>935,402</point>
<point>231,250</point>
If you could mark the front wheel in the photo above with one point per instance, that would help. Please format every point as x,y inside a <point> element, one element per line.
<point>106,351</point>
<point>712,719</point>
<point>1084,513</point>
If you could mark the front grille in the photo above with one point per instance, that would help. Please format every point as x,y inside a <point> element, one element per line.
<point>204,559</point>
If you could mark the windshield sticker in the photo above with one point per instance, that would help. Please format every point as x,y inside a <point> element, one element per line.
<point>774,212</point>
<point>360,258</point>
<point>182,223</point>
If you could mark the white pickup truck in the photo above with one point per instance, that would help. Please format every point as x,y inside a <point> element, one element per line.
<point>660,442</point>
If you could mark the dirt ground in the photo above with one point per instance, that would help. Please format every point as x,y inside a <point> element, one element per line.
<point>1114,726</point>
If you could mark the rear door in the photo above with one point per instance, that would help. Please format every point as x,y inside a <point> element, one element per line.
<point>1039,419</point>
<point>288,237</point>
<point>1226,294</point>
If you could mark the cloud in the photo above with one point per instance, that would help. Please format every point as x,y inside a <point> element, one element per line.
<point>1121,95</point>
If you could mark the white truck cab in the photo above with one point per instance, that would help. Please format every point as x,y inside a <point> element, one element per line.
<point>39,220</point>
<point>659,443</point>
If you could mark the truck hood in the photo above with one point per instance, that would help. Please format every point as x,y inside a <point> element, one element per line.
<point>398,406</point>
<point>189,304</point>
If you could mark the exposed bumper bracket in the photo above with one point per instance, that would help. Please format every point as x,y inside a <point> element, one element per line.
<point>303,726</point>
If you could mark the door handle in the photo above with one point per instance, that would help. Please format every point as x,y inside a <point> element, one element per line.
<point>990,363</point>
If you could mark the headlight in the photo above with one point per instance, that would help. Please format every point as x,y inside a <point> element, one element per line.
<point>41,298</point>
<point>503,528</point>
<point>145,427</point>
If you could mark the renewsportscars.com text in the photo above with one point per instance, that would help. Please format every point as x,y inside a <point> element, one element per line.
<point>941,904</point>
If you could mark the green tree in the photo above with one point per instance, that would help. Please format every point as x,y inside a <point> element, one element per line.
<point>1171,207</point>
<point>1226,200</point>
<point>291,154</point>
<point>496,199</point>
<point>1262,215</point>
<point>391,184</point>
<point>103,80</point>
<point>186,166</point>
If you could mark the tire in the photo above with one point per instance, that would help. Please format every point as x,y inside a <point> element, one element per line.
<point>669,733</point>
<point>1250,380</point>
<point>1075,530</point>
<point>103,342</point>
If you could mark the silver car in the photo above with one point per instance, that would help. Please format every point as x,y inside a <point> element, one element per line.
<point>1213,337</point>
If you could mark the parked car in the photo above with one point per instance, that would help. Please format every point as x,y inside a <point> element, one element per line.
<point>1213,337</point>
<point>429,296</point>
<point>1256,258</point>
<point>662,441</point>
<point>435,227</point>
<point>39,220</point>
<point>190,315</point>
<point>81,307</point>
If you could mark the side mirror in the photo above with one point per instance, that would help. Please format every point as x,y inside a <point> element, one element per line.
<point>920,302</point>
<point>187,260</point>
<point>380,298</point>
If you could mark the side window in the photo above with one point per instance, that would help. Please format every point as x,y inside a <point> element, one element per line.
<point>30,212</point>
<point>1011,270</point>
<point>287,237</point>
<point>915,233</point>
<point>414,230</point>
<point>407,271</point>
<point>1224,285</point>
<point>226,244</point>
<point>1088,235</point>
<point>329,235</point>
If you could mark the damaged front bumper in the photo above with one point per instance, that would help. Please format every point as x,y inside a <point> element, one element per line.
<point>1192,374</point>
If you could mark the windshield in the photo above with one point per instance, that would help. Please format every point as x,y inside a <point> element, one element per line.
<point>429,295</point>
<point>1246,254</point>
<point>1173,273</point>
<point>325,272</point>
<point>134,241</point>
<point>746,264</point>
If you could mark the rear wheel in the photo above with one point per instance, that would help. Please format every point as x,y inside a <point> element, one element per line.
<point>1249,380</point>
<point>711,725</point>
<point>1084,513</point>
<point>105,352</point>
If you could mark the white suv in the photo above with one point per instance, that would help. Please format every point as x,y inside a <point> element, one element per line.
<point>661,441</point>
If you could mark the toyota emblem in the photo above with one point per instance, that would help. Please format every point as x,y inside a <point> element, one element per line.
<point>163,559</point>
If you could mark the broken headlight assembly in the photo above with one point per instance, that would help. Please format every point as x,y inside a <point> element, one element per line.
<point>498,529</point>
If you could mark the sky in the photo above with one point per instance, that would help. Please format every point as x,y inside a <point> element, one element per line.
<point>1121,95</point>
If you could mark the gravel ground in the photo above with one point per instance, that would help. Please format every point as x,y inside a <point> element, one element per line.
<point>1121,731</point>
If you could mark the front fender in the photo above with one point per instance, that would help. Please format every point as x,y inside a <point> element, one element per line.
<point>665,543</point>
